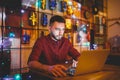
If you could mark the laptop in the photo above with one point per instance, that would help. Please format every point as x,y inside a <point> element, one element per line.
<point>91,61</point>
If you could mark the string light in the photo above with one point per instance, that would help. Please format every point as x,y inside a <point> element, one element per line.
<point>17,77</point>
<point>11,34</point>
<point>22,11</point>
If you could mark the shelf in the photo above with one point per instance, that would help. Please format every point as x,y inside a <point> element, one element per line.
<point>115,54</point>
<point>99,35</point>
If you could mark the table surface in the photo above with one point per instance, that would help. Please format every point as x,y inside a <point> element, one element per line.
<point>109,72</point>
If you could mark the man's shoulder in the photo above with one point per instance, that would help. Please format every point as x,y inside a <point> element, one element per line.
<point>43,38</point>
<point>64,38</point>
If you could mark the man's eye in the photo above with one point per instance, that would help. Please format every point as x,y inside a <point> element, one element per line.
<point>57,29</point>
<point>60,29</point>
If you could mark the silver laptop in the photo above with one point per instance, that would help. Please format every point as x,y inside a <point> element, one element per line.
<point>91,61</point>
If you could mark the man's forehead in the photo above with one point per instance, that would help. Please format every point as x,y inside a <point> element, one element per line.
<point>58,24</point>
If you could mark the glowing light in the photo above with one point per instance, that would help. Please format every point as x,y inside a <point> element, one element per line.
<point>22,11</point>
<point>69,2</point>
<point>38,3</point>
<point>73,16</point>
<point>11,35</point>
<point>29,76</point>
<point>86,44</point>
<point>84,29</point>
<point>3,63</point>
<point>79,6</point>
<point>95,46</point>
<point>11,39</point>
<point>17,77</point>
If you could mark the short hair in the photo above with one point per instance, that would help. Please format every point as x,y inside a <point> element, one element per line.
<point>56,18</point>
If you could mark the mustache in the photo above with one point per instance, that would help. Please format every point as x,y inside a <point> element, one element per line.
<point>52,35</point>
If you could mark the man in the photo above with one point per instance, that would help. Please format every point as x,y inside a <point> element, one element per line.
<point>51,52</point>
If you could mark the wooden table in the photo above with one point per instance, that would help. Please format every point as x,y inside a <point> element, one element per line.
<point>109,72</point>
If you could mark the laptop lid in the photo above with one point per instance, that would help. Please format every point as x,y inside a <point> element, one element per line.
<point>91,61</point>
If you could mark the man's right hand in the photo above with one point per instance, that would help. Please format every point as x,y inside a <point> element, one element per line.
<point>57,70</point>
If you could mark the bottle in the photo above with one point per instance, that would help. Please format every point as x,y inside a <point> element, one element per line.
<point>71,70</point>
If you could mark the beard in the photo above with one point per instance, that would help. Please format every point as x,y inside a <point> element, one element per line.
<point>56,37</point>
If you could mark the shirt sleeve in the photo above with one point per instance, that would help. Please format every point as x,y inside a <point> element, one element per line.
<point>73,52</point>
<point>36,51</point>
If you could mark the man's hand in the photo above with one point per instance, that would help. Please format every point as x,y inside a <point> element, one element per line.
<point>57,70</point>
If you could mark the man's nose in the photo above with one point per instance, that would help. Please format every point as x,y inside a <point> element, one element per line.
<point>61,31</point>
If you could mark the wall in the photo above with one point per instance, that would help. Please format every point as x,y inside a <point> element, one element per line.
<point>113,16</point>
<point>114,26</point>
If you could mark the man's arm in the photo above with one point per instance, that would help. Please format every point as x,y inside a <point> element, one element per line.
<point>55,70</point>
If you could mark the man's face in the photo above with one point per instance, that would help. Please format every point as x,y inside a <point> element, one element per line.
<point>57,30</point>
